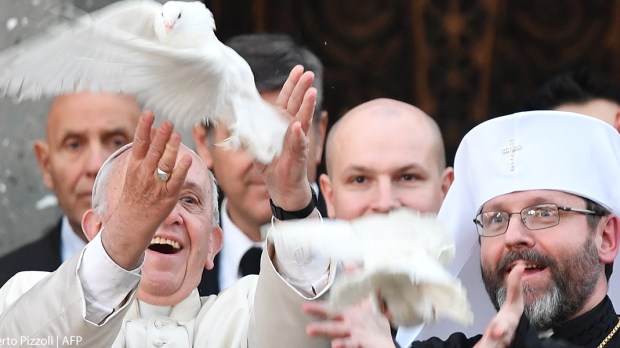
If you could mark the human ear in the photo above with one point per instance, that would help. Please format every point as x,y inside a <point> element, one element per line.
<point>328,194</point>
<point>446,180</point>
<point>215,245</point>
<point>42,153</point>
<point>91,225</point>
<point>609,239</point>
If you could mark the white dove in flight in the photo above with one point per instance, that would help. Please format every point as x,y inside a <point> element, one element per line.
<point>402,257</point>
<point>167,56</point>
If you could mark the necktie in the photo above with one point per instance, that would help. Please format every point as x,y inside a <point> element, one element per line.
<point>250,262</point>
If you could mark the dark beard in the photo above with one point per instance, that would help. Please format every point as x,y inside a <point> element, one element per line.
<point>573,280</point>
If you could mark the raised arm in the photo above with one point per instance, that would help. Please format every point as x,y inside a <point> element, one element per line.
<point>145,200</point>
<point>63,304</point>
<point>286,176</point>
<point>289,277</point>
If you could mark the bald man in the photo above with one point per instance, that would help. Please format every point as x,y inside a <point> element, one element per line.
<point>83,129</point>
<point>382,155</point>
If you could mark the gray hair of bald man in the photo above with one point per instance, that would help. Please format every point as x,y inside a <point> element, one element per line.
<point>100,199</point>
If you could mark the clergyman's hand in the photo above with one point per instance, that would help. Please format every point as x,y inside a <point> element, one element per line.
<point>286,176</point>
<point>145,200</point>
<point>501,329</point>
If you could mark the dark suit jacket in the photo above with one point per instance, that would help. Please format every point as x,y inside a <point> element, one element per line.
<point>41,255</point>
<point>210,283</point>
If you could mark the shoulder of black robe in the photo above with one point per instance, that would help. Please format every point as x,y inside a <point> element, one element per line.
<point>591,328</point>
<point>525,336</point>
<point>456,340</point>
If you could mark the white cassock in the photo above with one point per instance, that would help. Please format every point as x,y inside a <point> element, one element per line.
<point>258,311</point>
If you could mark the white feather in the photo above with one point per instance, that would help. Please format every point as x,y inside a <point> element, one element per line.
<point>402,257</point>
<point>185,74</point>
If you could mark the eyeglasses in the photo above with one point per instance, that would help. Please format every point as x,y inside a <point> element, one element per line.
<point>536,217</point>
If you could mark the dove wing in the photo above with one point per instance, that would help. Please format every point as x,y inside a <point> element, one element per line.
<point>402,254</point>
<point>329,238</point>
<point>416,289</point>
<point>391,236</point>
<point>78,55</point>
<point>115,50</point>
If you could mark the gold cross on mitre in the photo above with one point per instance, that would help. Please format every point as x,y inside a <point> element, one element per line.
<point>510,150</point>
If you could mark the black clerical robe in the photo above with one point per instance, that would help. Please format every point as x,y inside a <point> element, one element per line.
<point>587,330</point>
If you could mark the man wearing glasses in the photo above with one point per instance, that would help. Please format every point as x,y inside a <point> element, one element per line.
<point>537,217</point>
<point>543,190</point>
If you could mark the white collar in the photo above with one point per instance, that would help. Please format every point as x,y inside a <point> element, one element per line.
<point>148,310</point>
<point>315,187</point>
<point>186,310</point>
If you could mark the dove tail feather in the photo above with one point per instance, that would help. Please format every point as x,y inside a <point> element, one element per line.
<point>258,126</point>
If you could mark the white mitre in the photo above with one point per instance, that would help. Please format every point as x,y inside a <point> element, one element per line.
<point>533,150</point>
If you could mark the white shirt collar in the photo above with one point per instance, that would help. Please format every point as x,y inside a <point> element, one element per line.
<point>315,187</point>
<point>236,243</point>
<point>70,242</point>
<point>148,310</point>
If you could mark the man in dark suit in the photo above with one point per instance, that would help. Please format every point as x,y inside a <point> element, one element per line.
<point>245,201</point>
<point>82,131</point>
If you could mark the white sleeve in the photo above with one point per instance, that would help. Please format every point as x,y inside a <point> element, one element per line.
<point>106,285</point>
<point>306,272</point>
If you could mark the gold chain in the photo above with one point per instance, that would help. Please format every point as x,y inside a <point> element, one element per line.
<point>611,334</point>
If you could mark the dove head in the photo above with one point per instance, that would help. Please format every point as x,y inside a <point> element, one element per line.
<point>184,24</point>
<point>171,12</point>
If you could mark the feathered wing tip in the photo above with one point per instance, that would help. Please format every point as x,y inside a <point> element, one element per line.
<point>196,6</point>
<point>80,54</point>
<point>415,290</point>
<point>256,126</point>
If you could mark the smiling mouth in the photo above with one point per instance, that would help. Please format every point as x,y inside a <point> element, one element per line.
<point>164,246</point>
